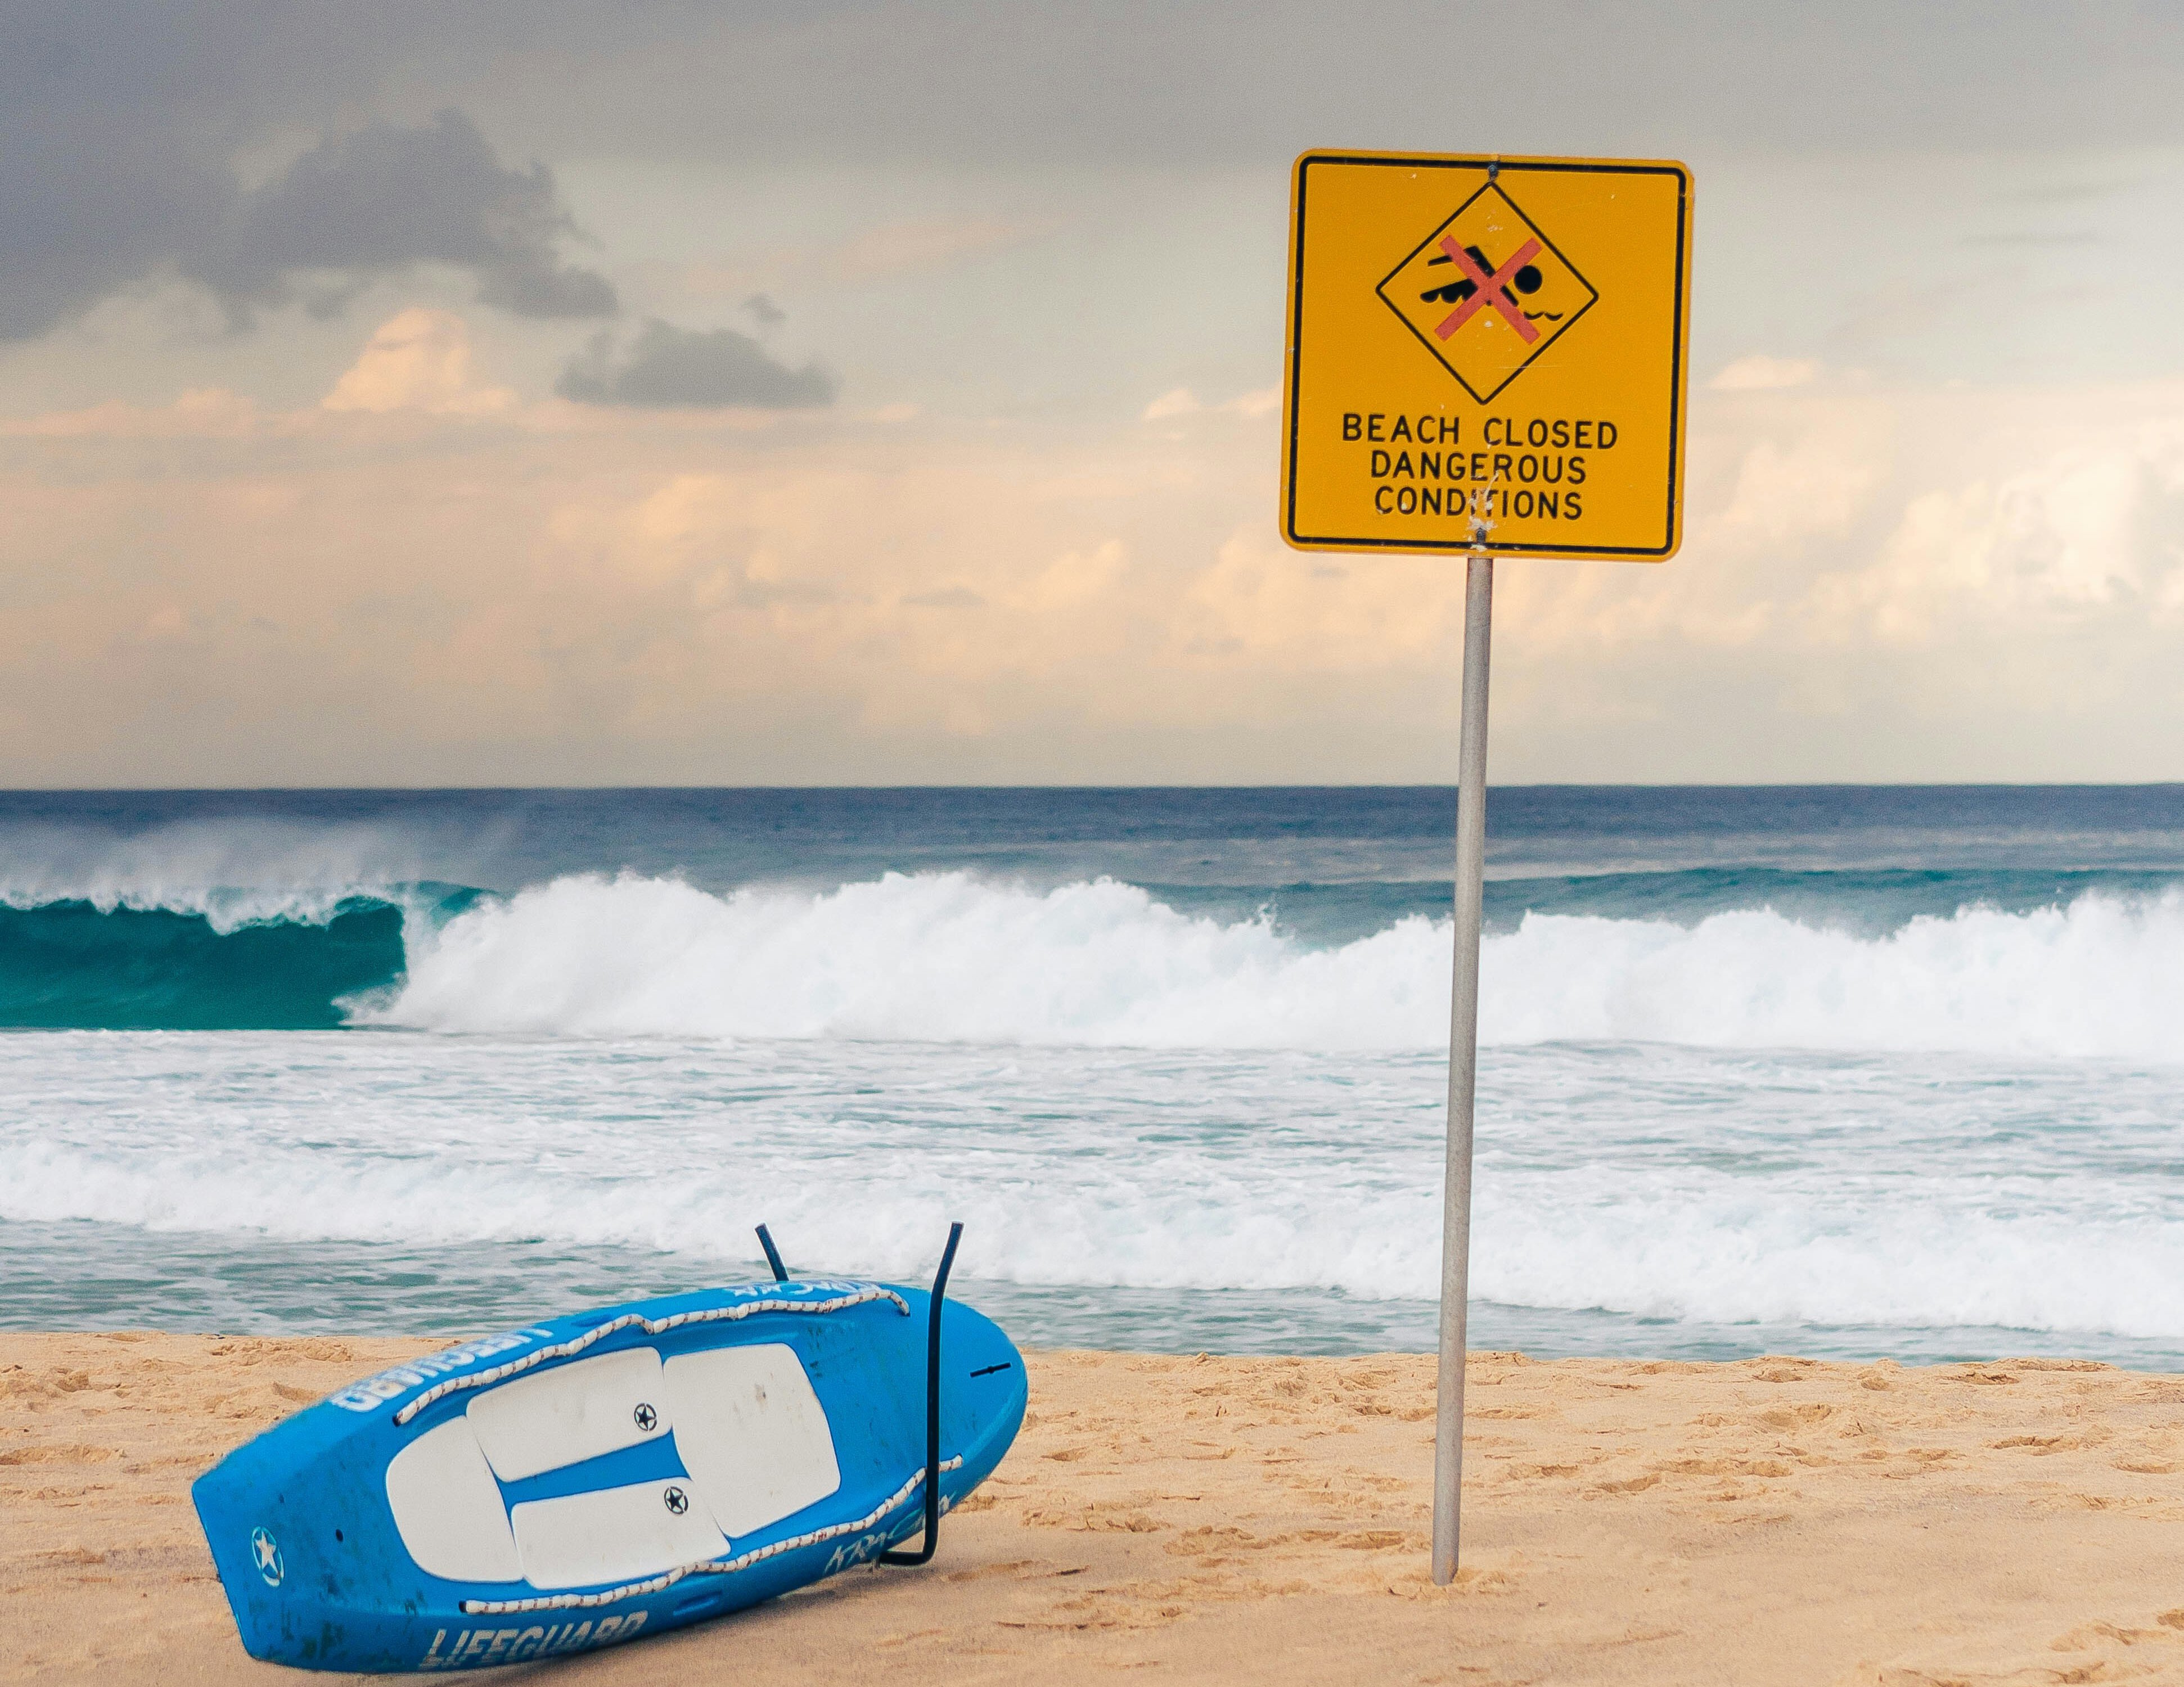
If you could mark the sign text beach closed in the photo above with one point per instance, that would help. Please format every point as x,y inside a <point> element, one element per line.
<point>1486,354</point>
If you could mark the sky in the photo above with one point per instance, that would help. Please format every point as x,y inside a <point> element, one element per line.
<point>535,394</point>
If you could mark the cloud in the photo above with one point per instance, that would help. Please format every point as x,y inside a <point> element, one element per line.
<point>2082,534</point>
<point>1879,582</point>
<point>383,199</point>
<point>1758,374</point>
<point>418,360</point>
<point>122,121</point>
<point>93,193</point>
<point>876,254</point>
<point>945,598</point>
<point>1181,401</point>
<point>201,413</point>
<point>1179,85</point>
<point>670,368</point>
<point>899,248</point>
<point>126,128</point>
<point>764,311</point>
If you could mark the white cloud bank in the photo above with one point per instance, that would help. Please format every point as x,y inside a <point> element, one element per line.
<point>420,359</point>
<point>425,580</point>
<point>1759,373</point>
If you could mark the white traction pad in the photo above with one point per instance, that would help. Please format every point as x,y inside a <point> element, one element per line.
<point>751,1433</point>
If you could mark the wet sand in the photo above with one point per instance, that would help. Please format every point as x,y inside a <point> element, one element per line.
<point>1265,1520</point>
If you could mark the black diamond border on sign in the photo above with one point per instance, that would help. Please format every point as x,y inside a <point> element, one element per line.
<point>1540,234</point>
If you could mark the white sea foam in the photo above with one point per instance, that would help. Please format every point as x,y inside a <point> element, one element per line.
<point>944,957</point>
<point>937,957</point>
<point>1670,1183</point>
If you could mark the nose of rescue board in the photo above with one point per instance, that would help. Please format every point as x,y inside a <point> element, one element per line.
<point>579,1482</point>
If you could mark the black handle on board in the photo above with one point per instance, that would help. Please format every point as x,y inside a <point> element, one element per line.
<point>772,1256</point>
<point>932,1541</point>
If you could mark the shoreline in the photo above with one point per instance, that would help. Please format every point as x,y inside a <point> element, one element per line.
<point>1266,1519</point>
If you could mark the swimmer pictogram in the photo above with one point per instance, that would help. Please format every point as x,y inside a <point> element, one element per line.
<point>1513,293</point>
<point>1478,288</point>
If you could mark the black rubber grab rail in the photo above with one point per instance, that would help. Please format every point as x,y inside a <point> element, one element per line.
<point>931,1544</point>
<point>772,1256</point>
<point>932,1541</point>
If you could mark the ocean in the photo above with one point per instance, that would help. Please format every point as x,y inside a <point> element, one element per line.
<point>1844,1072</point>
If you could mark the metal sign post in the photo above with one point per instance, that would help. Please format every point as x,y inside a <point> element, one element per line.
<point>1487,357</point>
<point>1462,1067</point>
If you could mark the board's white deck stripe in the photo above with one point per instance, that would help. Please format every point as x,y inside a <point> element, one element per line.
<point>707,1567</point>
<point>651,1326</point>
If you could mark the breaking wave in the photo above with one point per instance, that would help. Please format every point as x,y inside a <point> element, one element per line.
<point>946,957</point>
<point>72,964</point>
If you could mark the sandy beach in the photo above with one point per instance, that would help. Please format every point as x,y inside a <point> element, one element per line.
<point>1265,1519</point>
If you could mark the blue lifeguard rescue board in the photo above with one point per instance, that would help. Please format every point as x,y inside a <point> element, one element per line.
<point>579,1482</point>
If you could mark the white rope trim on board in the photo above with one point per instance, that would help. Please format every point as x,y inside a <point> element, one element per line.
<point>707,1566</point>
<point>651,1326</point>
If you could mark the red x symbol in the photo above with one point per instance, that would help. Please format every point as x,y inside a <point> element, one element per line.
<point>1490,290</point>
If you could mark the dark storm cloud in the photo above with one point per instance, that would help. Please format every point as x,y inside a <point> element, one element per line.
<point>385,198</point>
<point>672,368</point>
<point>125,124</point>
<point>121,126</point>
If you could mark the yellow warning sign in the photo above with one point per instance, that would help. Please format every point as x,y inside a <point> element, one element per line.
<point>1487,355</point>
